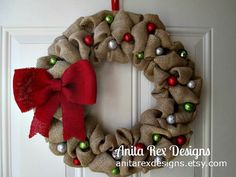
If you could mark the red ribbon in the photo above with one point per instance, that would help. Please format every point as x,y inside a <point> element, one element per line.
<point>36,88</point>
<point>115,5</point>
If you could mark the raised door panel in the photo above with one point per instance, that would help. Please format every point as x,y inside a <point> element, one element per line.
<point>122,95</point>
<point>23,157</point>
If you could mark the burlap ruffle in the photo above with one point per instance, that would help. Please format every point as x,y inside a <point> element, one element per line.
<point>70,47</point>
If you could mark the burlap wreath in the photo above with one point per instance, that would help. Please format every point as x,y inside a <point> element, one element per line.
<point>70,47</point>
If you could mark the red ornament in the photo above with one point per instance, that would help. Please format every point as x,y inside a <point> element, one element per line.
<point>139,146</point>
<point>151,27</point>
<point>128,37</point>
<point>76,162</point>
<point>88,40</point>
<point>172,81</point>
<point>181,140</point>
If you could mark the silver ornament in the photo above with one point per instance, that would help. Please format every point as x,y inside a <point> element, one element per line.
<point>117,154</point>
<point>159,51</point>
<point>159,160</point>
<point>191,84</point>
<point>112,44</point>
<point>170,119</point>
<point>61,147</point>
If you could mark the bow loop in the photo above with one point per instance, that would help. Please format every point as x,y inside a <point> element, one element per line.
<point>28,82</point>
<point>36,88</point>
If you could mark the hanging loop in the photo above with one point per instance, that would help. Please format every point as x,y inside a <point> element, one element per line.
<point>115,5</point>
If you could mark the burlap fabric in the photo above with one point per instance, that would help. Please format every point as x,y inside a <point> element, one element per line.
<point>70,48</point>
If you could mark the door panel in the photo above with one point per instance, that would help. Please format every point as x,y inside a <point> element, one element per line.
<point>24,157</point>
<point>122,96</point>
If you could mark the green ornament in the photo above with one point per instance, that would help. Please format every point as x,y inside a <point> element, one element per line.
<point>156,137</point>
<point>83,145</point>
<point>87,112</point>
<point>109,19</point>
<point>140,55</point>
<point>189,107</point>
<point>53,61</point>
<point>115,171</point>
<point>183,53</point>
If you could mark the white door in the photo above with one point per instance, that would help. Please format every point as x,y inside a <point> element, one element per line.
<point>206,28</point>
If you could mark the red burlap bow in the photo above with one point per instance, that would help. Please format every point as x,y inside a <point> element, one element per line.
<point>36,88</point>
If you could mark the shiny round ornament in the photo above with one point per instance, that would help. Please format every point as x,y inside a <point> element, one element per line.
<point>112,44</point>
<point>109,19</point>
<point>183,53</point>
<point>88,40</point>
<point>140,55</point>
<point>172,81</point>
<point>139,146</point>
<point>151,27</point>
<point>76,161</point>
<point>83,145</point>
<point>117,154</point>
<point>189,107</point>
<point>156,137</point>
<point>115,171</point>
<point>159,160</point>
<point>61,147</point>
<point>191,84</point>
<point>170,119</point>
<point>53,61</point>
<point>128,37</point>
<point>181,140</point>
<point>159,51</point>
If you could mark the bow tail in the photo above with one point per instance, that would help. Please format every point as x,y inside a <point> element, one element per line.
<point>43,116</point>
<point>73,121</point>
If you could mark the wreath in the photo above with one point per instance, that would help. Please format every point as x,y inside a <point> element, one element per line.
<point>64,84</point>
